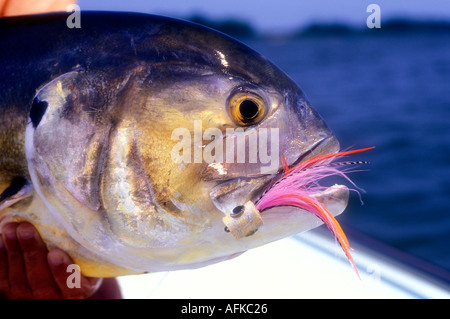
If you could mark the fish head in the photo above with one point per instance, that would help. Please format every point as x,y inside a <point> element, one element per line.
<point>140,160</point>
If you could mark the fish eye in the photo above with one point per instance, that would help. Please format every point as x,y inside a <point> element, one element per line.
<point>247,108</point>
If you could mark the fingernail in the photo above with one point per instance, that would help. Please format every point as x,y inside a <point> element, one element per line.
<point>56,258</point>
<point>25,231</point>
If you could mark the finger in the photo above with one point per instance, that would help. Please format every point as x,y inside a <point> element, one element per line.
<point>109,289</point>
<point>4,284</point>
<point>69,280</point>
<point>18,282</point>
<point>40,278</point>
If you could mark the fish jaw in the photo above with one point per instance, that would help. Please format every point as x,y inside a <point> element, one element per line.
<point>289,220</point>
<point>281,221</point>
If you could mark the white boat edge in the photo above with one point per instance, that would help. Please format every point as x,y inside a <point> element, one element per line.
<point>309,265</point>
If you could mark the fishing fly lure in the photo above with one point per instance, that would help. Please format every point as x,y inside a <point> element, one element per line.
<point>297,186</point>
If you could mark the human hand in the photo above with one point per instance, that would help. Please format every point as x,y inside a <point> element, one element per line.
<point>28,270</point>
<point>12,7</point>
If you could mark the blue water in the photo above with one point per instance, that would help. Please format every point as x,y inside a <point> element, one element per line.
<point>392,92</point>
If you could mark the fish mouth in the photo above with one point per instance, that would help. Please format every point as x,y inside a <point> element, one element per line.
<point>229,193</point>
<point>335,197</point>
<point>327,145</point>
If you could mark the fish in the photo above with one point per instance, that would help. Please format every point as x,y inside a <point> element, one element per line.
<point>141,143</point>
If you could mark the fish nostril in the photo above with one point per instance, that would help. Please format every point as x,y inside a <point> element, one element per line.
<point>37,111</point>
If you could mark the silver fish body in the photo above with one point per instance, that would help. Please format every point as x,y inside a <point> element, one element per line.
<point>90,121</point>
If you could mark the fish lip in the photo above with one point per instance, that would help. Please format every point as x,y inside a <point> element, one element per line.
<point>310,152</point>
<point>334,198</point>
